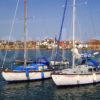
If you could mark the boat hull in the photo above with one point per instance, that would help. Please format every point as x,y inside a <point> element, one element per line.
<point>75,79</point>
<point>11,76</point>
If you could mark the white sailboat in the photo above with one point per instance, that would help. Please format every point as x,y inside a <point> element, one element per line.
<point>77,74</point>
<point>27,72</point>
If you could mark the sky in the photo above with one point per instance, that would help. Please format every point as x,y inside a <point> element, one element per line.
<point>44,19</point>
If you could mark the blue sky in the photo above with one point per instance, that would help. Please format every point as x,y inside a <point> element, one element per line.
<point>44,19</point>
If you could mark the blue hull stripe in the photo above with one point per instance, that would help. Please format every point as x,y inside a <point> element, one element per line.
<point>42,75</point>
<point>27,73</point>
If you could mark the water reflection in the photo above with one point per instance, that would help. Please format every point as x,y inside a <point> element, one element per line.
<point>77,93</point>
<point>46,90</point>
<point>26,91</point>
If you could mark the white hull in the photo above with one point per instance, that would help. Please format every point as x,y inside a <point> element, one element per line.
<point>21,76</point>
<point>75,79</point>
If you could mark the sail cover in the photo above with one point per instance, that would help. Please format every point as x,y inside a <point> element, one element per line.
<point>75,53</point>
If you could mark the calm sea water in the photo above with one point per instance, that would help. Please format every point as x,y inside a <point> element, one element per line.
<point>46,89</point>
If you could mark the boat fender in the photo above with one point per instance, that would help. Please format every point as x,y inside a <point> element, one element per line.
<point>27,73</point>
<point>94,77</point>
<point>42,75</point>
<point>78,80</point>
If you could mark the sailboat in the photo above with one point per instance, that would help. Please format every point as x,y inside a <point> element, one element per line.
<point>60,62</point>
<point>27,72</point>
<point>63,61</point>
<point>77,74</point>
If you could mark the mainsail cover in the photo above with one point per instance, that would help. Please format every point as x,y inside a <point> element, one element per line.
<point>75,53</point>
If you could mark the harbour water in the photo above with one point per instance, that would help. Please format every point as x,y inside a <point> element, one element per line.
<point>46,89</point>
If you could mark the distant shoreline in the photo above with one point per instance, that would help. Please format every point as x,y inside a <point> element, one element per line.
<point>50,44</point>
<point>49,49</point>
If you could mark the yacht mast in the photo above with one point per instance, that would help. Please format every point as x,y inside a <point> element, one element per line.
<point>74,9</point>
<point>25,32</point>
